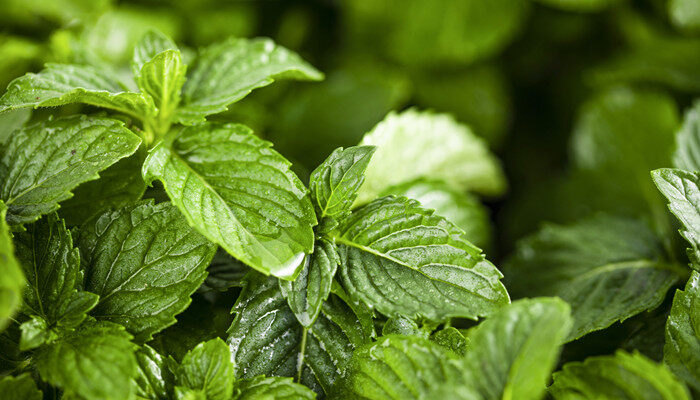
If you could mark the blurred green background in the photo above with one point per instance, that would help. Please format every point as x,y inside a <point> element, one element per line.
<point>578,98</point>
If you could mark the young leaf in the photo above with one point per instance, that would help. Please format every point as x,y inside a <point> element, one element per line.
<point>162,78</point>
<point>52,268</point>
<point>95,361</point>
<point>687,154</point>
<point>151,44</point>
<point>459,207</point>
<point>35,332</point>
<point>21,387</point>
<point>239,193</point>
<point>144,261</point>
<point>607,268</point>
<point>439,148</point>
<point>511,354</point>
<point>681,189</point>
<point>266,339</point>
<point>452,339</point>
<point>226,72</point>
<point>311,288</point>
<point>11,279</point>
<point>60,84</point>
<point>334,184</point>
<point>207,369</point>
<point>42,163</point>
<point>277,388</point>
<point>622,376</point>
<point>403,260</point>
<point>153,379</point>
<point>401,368</point>
<point>117,186</point>
<point>682,348</point>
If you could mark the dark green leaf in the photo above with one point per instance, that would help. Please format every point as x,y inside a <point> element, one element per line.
<point>96,361</point>
<point>607,268</point>
<point>224,272</point>
<point>21,387</point>
<point>52,268</point>
<point>273,388</point>
<point>153,379</point>
<point>620,377</point>
<point>512,354</point>
<point>239,193</point>
<point>311,288</point>
<point>60,84</point>
<point>12,280</point>
<point>208,369</point>
<point>144,261</point>
<point>226,72</point>
<point>42,163</point>
<point>401,259</point>
<point>682,349</point>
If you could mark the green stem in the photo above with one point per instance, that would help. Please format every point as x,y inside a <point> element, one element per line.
<point>302,351</point>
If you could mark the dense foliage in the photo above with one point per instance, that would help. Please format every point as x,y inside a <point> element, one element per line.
<point>424,226</point>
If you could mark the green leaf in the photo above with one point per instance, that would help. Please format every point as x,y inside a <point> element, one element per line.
<point>452,339</point>
<point>151,44</point>
<point>266,339</point>
<point>162,78</point>
<point>685,14</point>
<point>144,261</point>
<point>687,154</point>
<point>618,377</point>
<point>35,332</point>
<point>21,387</point>
<point>12,280</point>
<point>334,184</point>
<point>42,163</point>
<point>607,268</point>
<point>96,361</point>
<point>226,72</point>
<point>580,5</point>
<point>52,268</point>
<point>225,272</point>
<point>275,388</point>
<point>511,354</point>
<point>681,190</point>
<point>117,186</point>
<point>12,121</point>
<point>401,259</point>
<point>311,288</point>
<point>402,368</point>
<point>682,348</point>
<point>461,208</point>
<point>153,379</point>
<point>239,193</point>
<point>440,148</point>
<point>60,84</point>
<point>208,369</point>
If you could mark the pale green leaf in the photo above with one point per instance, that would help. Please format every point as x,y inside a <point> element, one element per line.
<point>60,84</point>
<point>239,193</point>
<point>402,259</point>
<point>96,361</point>
<point>266,339</point>
<point>437,146</point>
<point>682,348</point>
<point>12,121</point>
<point>226,72</point>
<point>272,388</point>
<point>687,154</point>
<point>681,189</point>
<point>607,268</point>
<point>151,44</point>
<point>620,377</point>
<point>461,208</point>
<point>52,268</point>
<point>144,261</point>
<point>153,378</point>
<point>12,280</point>
<point>311,288</point>
<point>452,339</point>
<point>685,14</point>
<point>42,163</point>
<point>403,368</point>
<point>162,78</point>
<point>117,186</point>
<point>334,184</point>
<point>208,369</point>
<point>21,387</point>
<point>511,354</point>
<point>35,332</point>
